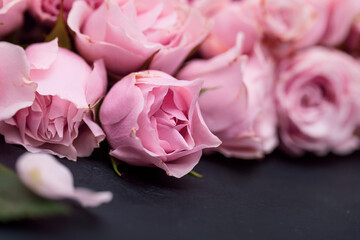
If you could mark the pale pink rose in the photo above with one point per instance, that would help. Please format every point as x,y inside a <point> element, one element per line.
<point>11,15</point>
<point>209,7</point>
<point>152,119</point>
<point>60,121</point>
<point>234,18</point>
<point>342,14</point>
<point>127,33</point>
<point>47,11</point>
<point>318,102</point>
<point>291,25</point>
<point>238,105</point>
<point>17,91</point>
<point>45,176</point>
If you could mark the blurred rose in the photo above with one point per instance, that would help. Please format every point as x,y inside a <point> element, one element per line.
<point>48,178</point>
<point>342,14</point>
<point>291,25</point>
<point>47,11</point>
<point>318,102</point>
<point>234,18</point>
<point>17,91</point>
<point>59,121</point>
<point>127,33</point>
<point>209,7</point>
<point>153,119</point>
<point>238,105</point>
<point>11,15</point>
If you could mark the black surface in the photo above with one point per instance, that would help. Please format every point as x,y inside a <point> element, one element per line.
<point>277,198</point>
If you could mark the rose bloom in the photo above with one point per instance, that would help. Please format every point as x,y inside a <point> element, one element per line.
<point>152,119</point>
<point>128,33</point>
<point>233,18</point>
<point>11,15</point>
<point>318,102</point>
<point>17,89</point>
<point>209,7</point>
<point>60,120</point>
<point>47,11</point>
<point>238,104</point>
<point>342,14</point>
<point>291,25</point>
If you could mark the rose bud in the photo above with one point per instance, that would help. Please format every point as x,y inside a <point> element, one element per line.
<point>291,25</point>
<point>152,119</point>
<point>11,15</point>
<point>233,18</point>
<point>318,102</point>
<point>17,89</point>
<point>127,34</point>
<point>47,11</point>
<point>60,121</point>
<point>238,104</point>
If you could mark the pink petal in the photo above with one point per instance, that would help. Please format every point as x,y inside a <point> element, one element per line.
<point>44,175</point>
<point>44,57</point>
<point>97,83</point>
<point>17,91</point>
<point>51,77</point>
<point>11,15</point>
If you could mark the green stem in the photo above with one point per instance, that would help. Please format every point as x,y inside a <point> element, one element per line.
<point>114,165</point>
<point>195,174</point>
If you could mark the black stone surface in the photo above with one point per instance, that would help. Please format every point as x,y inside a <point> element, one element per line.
<point>276,198</point>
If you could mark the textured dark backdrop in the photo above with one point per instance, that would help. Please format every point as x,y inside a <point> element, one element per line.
<point>277,198</point>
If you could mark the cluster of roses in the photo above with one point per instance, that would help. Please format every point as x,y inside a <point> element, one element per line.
<point>270,69</point>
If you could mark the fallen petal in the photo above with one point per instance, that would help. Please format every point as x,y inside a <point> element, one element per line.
<point>44,175</point>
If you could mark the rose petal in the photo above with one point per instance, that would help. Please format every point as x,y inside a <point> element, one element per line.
<point>51,77</point>
<point>17,91</point>
<point>44,175</point>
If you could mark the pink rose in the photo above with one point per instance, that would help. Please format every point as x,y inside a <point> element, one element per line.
<point>153,119</point>
<point>236,17</point>
<point>60,120</point>
<point>291,25</point>
<point>11,15</point>
<point>17,89</point>
<point>318,102</point>
<point>127,33</point>
<point>238,105</point>
<point>47,11</point>
<point>48,178</point>
<point>342,14</point>
<point>209,7</point>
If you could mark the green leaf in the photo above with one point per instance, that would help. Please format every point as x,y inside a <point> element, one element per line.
<point>60,31</point>
<point>204,90</point>
<point>115,165</point>
<point>17,202</point>
<point>96,108</point>
<point>195,174</point>
<point>148,61</point>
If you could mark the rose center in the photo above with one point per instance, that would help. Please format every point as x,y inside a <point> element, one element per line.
<point>171,125</point>
<point>316,92</point>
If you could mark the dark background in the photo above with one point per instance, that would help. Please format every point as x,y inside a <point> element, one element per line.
<point>276,198</point>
